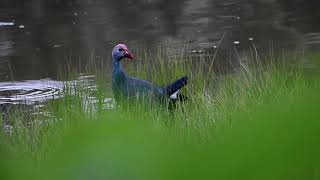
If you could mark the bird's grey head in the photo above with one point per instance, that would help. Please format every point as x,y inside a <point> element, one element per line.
<point>121,51</point>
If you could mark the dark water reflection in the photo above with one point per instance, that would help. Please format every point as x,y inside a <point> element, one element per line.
<point>47,33</point>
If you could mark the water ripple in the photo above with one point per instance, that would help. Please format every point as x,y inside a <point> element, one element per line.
<point>30,92</point>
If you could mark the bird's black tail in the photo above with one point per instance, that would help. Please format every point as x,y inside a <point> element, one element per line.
<point>174,87</point>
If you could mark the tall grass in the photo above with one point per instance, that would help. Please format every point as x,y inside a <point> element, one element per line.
<point>259,122</point>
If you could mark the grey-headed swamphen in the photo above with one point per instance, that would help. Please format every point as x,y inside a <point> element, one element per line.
<point>130,87</point>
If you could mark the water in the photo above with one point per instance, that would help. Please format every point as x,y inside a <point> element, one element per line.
<point>38,37</point>
<point>30,91</point>
<point>31,98</point>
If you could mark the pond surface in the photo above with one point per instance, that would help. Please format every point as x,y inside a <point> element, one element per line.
<point>37,37</point>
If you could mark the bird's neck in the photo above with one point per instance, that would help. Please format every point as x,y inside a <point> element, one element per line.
<point>116,65</point>
<point>118,72</point>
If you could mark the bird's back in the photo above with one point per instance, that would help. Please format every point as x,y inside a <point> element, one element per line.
<point>129,87</point>
<point>138,87</point>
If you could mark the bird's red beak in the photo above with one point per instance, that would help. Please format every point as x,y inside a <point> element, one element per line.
<point>128,54</point>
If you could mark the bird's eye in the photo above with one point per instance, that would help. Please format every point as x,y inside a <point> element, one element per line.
<point>121,49</point>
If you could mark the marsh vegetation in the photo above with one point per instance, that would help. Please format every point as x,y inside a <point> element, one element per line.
<point>258,121</point>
